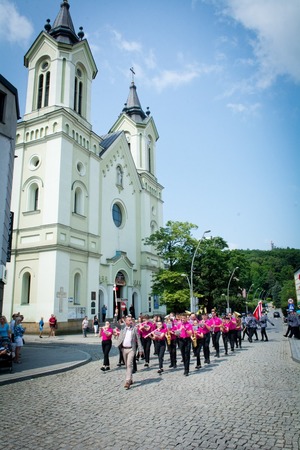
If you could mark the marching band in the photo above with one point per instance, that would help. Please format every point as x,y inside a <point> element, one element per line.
<point>185,332</point>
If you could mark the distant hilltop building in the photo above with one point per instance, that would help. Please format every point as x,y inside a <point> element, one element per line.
<point>82,203</point>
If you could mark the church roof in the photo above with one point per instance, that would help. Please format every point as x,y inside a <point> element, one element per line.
<point>107,140</point>
<point>63,29</point>
<point>133,107</point>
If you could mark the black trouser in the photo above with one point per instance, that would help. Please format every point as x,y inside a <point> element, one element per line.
<point>160,348</point>
<point>206,350</point>
<point>251,332</point>
<point>198,348</point>
<point>238,338</point>
<point>263,334</point>
<point>245,331</point>
<point>185,348</point>
<point>146,343</point>
<point>106,346</point>
<point>225,338</point>
<point>172,351</point>
<point>231,335</point>
<point>215,339</point>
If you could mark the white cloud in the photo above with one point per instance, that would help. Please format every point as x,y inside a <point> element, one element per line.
<point>129,46</point>
<point>277,44</point>
<point>176,78</point>
<point>241,108</point>
<point>13,26</point>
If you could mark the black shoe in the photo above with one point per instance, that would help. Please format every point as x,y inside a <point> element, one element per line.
<point>146,365</point>
<point>186,374</point>
<point>175,365</point>
<point>160,371</point>
<point>119,365</point>
<point>170,366</point>
<point>134,371</point>
<point>103,369</point>
<point>107,368</point>
<point>198,367</point>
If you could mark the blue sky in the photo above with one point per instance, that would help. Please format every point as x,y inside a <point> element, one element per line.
<point>222,81</point>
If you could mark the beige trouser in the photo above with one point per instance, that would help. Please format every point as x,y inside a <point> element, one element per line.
<point>128,355</point>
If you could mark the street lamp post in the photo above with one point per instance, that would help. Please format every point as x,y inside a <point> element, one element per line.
<point>228,308</point>
<point>192,269</point>
<point>247,295</point>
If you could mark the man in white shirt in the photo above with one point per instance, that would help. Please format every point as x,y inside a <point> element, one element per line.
<point>129,340</point>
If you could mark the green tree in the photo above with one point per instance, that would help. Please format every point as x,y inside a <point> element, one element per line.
<point>288,291</point>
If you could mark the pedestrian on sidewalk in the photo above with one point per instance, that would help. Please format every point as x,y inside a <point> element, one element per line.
<point>52,325</point>
<point>41,326</point>
<point>85,326</point>
<point>96,325</point>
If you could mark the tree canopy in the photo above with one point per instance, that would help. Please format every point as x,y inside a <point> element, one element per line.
<point>258,275</point>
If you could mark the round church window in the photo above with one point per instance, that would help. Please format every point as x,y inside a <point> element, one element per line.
<point>117,215</point>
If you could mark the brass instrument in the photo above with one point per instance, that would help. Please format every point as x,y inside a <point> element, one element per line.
<point>194,337</point>
<point>194,340</point>
<point>168,336</point>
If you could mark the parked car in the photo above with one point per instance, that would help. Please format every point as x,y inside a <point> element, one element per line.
<point>276,314</point>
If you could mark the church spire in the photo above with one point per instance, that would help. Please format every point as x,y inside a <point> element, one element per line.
<point>63,28</point>
<point>133,106</point>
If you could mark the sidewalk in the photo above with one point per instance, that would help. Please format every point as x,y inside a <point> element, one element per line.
<point>48,356</point>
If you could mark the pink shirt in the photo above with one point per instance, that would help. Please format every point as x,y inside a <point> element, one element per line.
<point>106,335</point>
<point>145,328</point>
<point>215,323</point>
<point>232,325</point>
<point>186,330</point>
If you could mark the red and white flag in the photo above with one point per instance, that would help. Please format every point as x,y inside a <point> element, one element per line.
<point>258,311</point>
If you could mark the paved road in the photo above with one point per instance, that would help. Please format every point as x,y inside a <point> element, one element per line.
<point>248,400</point>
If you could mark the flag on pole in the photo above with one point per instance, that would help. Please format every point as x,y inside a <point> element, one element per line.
<point>258,311</point>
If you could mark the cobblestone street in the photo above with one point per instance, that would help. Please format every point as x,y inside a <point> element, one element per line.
<point>247,400</point>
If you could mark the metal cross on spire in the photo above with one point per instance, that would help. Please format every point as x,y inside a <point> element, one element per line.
<point>133,73</point>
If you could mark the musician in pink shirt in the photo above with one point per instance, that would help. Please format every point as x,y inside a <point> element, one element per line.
<point>215,328</point>
<point>225,328</point>
<point>158,336</point>
<point>184,333</point>
<point>106,333</point>
<point>145,329</point>
<point>232,330</point>
<point>171,328</point>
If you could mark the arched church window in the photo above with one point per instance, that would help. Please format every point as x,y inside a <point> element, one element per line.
<point>77,288</point>
<point>43,87</point>
<point>78,91</point>
<point>47,88</point>
<point>26,285</point>
<point>33,197</point>
<point>78,201</point>
<point>150,155</point>
<point>40,91</point>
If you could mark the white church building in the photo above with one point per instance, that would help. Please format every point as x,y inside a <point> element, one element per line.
<point>82,202</point>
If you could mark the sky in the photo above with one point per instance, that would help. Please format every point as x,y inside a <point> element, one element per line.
<point>222,81</point>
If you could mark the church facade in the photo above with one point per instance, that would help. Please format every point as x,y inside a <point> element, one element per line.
<point>82,202</point>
